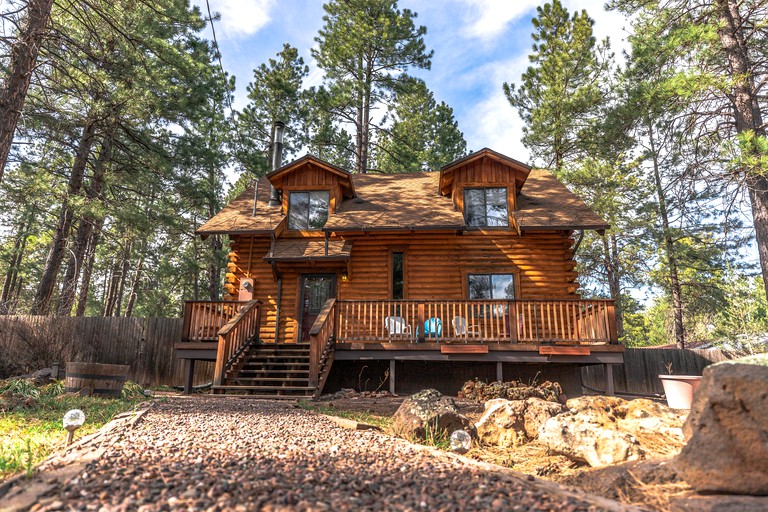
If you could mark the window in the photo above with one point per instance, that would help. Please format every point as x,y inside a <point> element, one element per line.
<point>308,210</point>
<point>486,207</point>
<point>398,274</point>
<point>491,286</point>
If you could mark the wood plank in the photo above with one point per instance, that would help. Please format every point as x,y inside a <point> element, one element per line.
<point>564,351</point>
<point>464,349</point>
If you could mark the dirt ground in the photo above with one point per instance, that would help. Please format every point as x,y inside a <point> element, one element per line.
<point>650,484</point>
<point>531,459</point>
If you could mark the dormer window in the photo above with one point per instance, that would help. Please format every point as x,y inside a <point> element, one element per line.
<point>486,207</point>
<point>308,210</point>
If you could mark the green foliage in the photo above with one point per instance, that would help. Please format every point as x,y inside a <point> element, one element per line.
<point>423,136</point>
<point>365,48</point>
<point>30,432</point>
<point>276,94</point>
<point>560,93</point>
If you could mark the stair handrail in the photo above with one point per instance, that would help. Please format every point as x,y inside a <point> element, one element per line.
<point>235,337</point>
<point>322,335</point>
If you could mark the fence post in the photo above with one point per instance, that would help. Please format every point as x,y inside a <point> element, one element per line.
<point>422,320</point>
<point>613,334</point>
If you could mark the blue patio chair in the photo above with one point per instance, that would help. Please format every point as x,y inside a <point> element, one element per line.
<point>433,327</point>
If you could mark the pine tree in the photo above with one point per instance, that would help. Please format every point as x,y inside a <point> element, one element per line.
<point>365,48</point>
<point>560,92</point>
<point>423,136</point>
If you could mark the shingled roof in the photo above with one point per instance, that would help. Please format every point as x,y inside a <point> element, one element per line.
<point>239,215</point>
<point>389,202</point>
<point>545,203</point>
<point>396,202</point>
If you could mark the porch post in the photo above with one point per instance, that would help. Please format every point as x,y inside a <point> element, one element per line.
<point>392,376</point>
<point>500,371</point>
<point>189,374</point>
<point>609,389</point>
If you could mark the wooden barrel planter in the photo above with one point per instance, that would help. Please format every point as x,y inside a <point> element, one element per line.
<point>99,379</point>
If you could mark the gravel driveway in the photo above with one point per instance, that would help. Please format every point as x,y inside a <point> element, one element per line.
<point>234,454</point>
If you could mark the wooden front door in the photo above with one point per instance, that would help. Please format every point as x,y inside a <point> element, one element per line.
<point>315,290</point>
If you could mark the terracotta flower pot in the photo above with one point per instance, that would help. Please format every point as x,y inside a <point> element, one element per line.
<point>679,389</point>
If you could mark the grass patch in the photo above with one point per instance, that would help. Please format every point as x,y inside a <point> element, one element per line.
<point>382,422</point>
<point>30,420</point>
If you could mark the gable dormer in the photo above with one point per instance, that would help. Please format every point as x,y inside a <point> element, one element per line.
<point>484,187</point>
<point>311,190</point>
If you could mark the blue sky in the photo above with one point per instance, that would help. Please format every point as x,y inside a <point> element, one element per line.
<point>478,45</point>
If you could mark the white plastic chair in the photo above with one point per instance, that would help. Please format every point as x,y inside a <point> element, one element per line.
<point>397,326</point>
<point>460,327</point>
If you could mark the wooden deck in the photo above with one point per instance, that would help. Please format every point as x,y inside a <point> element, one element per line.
<point>512,331</point>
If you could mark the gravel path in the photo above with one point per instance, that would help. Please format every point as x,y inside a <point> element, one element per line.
<point>234,454</point>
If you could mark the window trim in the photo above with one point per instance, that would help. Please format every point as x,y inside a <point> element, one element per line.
<point>390,272</point>
<point>491,271</point>
<point>309,193</point>
<point>485,189</point>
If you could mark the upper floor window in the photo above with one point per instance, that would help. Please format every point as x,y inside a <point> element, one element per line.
<point>491,286</point>
<point>308,210</point>
<point>486,207</point>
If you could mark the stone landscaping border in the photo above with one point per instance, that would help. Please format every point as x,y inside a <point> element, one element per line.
<point>19,493</point>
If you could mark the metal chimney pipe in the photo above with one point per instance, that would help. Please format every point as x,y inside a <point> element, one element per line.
<point>278,130</point>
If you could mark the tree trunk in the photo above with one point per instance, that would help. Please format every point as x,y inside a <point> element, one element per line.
<point>84,229</point>
<point>90,258</point>
<point>610,258</point>
<point>747,115</point>
<point>359,130</point>
<point>135,284</point>
<point>13,268</point>
<point>669,247</point>
<point>42,301</point>
<point>23,59</point>
<point>113,281</point>
<point>124,267</point>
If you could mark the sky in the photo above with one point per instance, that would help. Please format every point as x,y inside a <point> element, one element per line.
<point>478,45</point>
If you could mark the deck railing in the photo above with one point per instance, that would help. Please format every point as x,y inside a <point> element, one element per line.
<point>569,321</point>
<point>322,337</point>
<point>235,336</point>
<point>204,318</point>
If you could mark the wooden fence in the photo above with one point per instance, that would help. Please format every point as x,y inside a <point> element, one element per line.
<point>28,343</point>
<point>642,367</point>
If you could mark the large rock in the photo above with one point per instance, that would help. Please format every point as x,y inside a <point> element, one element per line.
<point>727,430</point>
<point>515,390</point>
<point>514,422</point>
<point>604,430</point>
<point>428,410</point>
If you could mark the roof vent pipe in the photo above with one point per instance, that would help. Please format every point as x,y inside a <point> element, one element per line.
<point>278,130</point>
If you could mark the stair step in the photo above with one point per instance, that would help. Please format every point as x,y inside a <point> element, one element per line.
<point>258,357</point>
<point>273,371</point>
<point>266,388</point>
<point>252,363</point>
<point>269,397</point>
<point>271,379</point>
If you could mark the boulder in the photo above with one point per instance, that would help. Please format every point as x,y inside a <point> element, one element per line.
<point>428,410</point>
<point>514,422</point>
<point>727,430</point>
<point>482,392</point>
<point>605,430</point>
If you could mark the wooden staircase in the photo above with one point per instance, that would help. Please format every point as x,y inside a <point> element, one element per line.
<point>269,370</point>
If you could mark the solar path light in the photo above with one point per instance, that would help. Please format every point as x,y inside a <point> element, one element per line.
<point>73,420</point>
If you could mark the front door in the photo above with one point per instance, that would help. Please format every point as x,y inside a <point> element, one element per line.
<point>315,290</point>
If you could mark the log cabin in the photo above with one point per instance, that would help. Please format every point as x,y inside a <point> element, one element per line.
<point>423,279</point>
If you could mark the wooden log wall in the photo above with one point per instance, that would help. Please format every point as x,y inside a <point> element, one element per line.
<point>436,267</point>
<point>642,367</point>
<point>29,343</point>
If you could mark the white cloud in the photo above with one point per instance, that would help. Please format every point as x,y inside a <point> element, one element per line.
<point>242,18</point>
<point>489,18</point>
<point>490,121</point>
